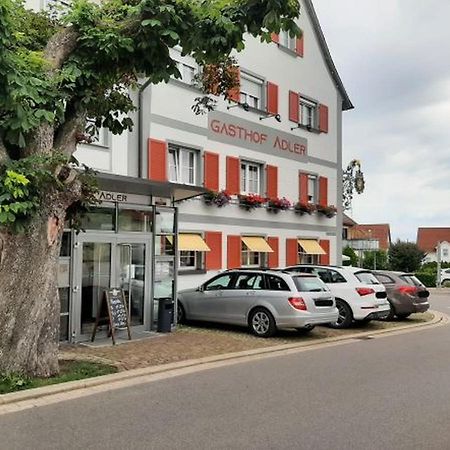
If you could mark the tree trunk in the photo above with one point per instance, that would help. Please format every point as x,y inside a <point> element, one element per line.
<point>29,300</point>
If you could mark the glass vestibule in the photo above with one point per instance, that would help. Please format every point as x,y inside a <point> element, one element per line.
<point>126,247</point>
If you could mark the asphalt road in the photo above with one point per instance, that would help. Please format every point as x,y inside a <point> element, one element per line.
<point>384,393</point>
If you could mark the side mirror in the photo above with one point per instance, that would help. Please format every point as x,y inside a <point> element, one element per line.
<point>200,288</point>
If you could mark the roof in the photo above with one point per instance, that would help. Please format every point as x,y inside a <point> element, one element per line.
<point>378,231</point>
<point>348,221</point>
<point>346,102</point>
<point>428,238</point>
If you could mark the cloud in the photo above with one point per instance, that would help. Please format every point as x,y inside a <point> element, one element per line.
<point>393,59</point>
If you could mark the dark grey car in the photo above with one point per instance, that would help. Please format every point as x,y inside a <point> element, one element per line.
<point>406,294</point>
<point>263,300</point>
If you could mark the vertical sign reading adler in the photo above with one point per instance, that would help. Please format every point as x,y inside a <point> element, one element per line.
<point>231,130</point>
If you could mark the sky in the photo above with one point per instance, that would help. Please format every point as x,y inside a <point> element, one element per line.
<point>394,59</point>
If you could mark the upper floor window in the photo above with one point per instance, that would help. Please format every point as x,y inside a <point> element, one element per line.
<point>287,41</point>
<point>251,90</point>
<point>308,113</point>
<point>182,165</point>
<point>312,189</point>
<point>99,136</point>
<point>250,178</point>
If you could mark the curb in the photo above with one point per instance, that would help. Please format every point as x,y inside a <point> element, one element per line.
<point>36,393</point>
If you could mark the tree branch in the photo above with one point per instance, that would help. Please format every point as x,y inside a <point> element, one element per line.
<point>66,139</point>
<point>4,156</point>
<point>60,46</point>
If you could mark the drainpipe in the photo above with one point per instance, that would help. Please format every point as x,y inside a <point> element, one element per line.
<point>141,147</point>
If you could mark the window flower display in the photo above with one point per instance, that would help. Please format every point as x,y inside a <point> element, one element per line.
<point>220,199</point>
<point>304,208</point>
<point>328,211</point>
<point>251,201</point>
<point>278,204</point>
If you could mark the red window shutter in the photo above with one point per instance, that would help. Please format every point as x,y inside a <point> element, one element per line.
<point>294,107</point>
<point>273,257</point>
<point>275,37</point>
<point>211,171</point>
<point>323,118</point>
<point>291,252</point>
<point>272,181</point>
<point>303,188</point>
<point>325,259</point>
<point>213,258</point>
<point>233,252</point>
<point>157,160</point>
<point>235,93</point>
<point>300,46</point>
<point>323,191</point>
<point>233,169</point>
<point>272,98</point>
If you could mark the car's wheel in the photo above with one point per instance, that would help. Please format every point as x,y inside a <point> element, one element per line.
<point>446,283</point>
<point>345,318</point>
<point>262,323</point>
<point>181,315</point>
<point>391,314</point>
<point>306,329</point>
<point>403,316</point>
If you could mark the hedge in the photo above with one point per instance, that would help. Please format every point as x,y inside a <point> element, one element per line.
<point>427,278</point>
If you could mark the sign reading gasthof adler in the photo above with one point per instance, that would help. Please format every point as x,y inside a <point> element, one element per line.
<point>228,129</point>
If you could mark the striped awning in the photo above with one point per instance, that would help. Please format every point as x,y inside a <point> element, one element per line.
<point>256,244</point>
<point>311,247</point>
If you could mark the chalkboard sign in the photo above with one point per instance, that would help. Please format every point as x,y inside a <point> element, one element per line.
<point>116,309</point>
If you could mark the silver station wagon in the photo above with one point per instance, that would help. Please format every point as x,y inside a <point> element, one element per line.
<point>263,300</point>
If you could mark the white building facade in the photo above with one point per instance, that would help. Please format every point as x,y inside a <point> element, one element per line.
<point>280,138</point>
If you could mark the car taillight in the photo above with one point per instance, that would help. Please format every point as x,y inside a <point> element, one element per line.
<point>365,291</point>
<point>298,303</point>
<point>410,290</point>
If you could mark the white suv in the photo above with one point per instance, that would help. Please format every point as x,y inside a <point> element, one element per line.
<point>359,295</point>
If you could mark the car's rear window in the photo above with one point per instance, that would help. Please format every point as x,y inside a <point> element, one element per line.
<point>411,279</point>
<point>309,284</point>
<point>366,277</point>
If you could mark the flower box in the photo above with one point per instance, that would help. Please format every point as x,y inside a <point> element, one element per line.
<point>278,204</point>
<point>251,201</point>
<point>304,208</point>
<point>327,210</point>
<point>220,199</point>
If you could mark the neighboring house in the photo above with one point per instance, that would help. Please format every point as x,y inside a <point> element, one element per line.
<point>428,239</point>
<point>244,147</point>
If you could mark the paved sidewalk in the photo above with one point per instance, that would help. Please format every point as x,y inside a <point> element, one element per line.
<point>198,341</point>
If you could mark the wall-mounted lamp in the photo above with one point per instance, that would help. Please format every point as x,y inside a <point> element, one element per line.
<point>245,106</point>
<point>276,116</point>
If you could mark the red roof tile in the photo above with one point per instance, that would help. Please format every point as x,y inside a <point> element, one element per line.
<point>380,231</point>
<point>427,238</point>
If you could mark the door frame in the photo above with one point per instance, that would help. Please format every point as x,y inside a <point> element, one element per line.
<point>114,239</point>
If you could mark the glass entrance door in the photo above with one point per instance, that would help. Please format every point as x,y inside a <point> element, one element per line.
<point>104,262</point>
<point>131,274</point>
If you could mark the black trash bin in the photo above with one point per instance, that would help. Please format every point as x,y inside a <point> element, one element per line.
<point>165,315</point>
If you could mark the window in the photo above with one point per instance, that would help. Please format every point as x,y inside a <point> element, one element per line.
<point>251,90</point>
<point>99,136</point>
<point>384,279</point>
<point>190,260</point>
<point>250,258</point>
<point>287,41</point>
<point>306,258</point>
<point>275,283</point>
<point>309,284</point>
<point>312,189</point>
<point>308,113</point>
<point>182,165</point>
<point>250,178</point>
<point>445,252</point>
<point>366,277</point>
<point>221,282</point>
<point>329,276</point>
<point>249,281</point>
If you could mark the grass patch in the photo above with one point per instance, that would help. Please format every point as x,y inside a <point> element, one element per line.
<point>69,371</point>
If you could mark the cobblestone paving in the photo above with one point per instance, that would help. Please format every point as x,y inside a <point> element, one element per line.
<point>200,340</point>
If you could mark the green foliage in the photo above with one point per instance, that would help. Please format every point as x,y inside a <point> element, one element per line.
<point>25,183</point>
<point>405,256</point>
<point>348,251</point>
<point>427,278</point>
<point>431,267</point>
<point>375,259</point>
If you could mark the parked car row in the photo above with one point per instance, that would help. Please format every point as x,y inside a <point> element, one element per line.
<point>302,297</point>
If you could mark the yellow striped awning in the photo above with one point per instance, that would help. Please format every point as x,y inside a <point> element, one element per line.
<point>311,247</point>
<point>192,242</point>
<point>256,244</point>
